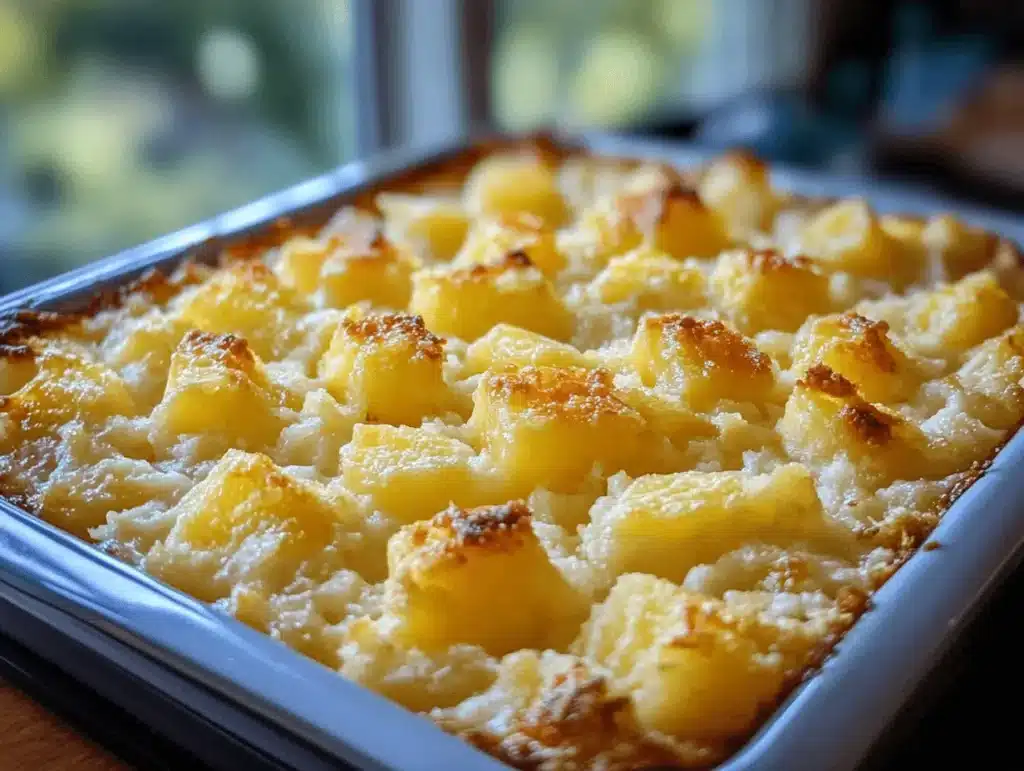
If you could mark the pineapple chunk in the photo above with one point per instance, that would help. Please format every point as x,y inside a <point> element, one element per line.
<point>604,232</point>
<point>380,273</point>
<point>505,184</point>
<point>246,300</point>
<point>651,281</point>
<point>704,361</point>
<point>217,385</point>
<point>508,346</point>
<point>467,302</point>
<point>491,240</point>
<point>413,473</point>
<point>961,315</point>
<point>847,237</point>
<point>479,577</point>
<point>388,366</point>
<point>860,350</point>
<point>961,248</point>
<point>675,221</point>
<point>694,670</point>
<point>435,228</point>
<point>736,186</point>
<point>548,426</point>
<point>66,387</point>
<point>761,290</point>
<point>251,524</point>
<point>826,418</point>
<point>904,234</point>
<point>666,524</point>
<point>300,261</point>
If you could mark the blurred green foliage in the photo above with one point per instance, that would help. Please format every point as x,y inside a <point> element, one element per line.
<point>126,119</point>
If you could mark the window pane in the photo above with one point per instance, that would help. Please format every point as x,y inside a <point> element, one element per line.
<point>127,119</point>
<point>616,62</point>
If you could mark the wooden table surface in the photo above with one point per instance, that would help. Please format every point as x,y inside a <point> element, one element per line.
<point>31,739</point>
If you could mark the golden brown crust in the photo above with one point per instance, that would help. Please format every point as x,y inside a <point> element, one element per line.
<point>768,261</point>
<point>229,349</point>
<point>824,379</point>
<point>714,342</point>
<point>869,423</point>
<point>573,394</point>
<point>578,723</point>
<point>501,527</point>
<point>874,340</point>
<point>20,328</point>
<point>397,328</point>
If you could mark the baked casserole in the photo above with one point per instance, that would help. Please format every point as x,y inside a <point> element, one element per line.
<point>588,461</point>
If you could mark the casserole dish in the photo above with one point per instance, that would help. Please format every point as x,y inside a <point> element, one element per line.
<point>286,709</point>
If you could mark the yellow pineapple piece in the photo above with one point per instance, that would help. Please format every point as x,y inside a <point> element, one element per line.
<point>511,184</point>
<point>491,240</point>
<point>467,302</point>
<point>861,351</point>
<point>904,234</point>
<point>963,249</point>
<point>66,386</point>
<point>548,426</point>
<point>479,577</point>
<point>737,187</point>
<point>389,366</point>
<point>849,238</point>
<point>959,316</point>
<point>301,260</point>
<point>380,273</point>
<point>603,232</point>
<point>650,280</point>
<point>761,290</point>
<point>674,220</point>
<point>694,670</point>
<point>665,524</point>
<point>826,418</point>
<point>247,300</point>
<point>413,473</point>
<point>704,361</point>
<point>251,524</point>
<point>433,227</point>
<point>510,346</point>
<point>217,385</point>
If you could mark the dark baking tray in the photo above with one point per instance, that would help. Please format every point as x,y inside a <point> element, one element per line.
<point>235,698</point>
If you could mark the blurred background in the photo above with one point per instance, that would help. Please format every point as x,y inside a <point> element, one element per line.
<point>122,120</point>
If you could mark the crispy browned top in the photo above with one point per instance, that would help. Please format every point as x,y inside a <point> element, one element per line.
<point>569,393</point>
<point>396,329</point>
<point>712,341</point>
